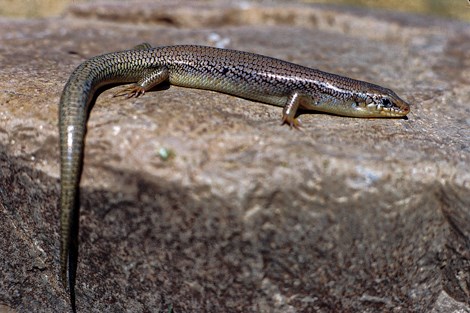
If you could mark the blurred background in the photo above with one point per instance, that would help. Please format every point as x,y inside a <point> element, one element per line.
<point>451,9</point>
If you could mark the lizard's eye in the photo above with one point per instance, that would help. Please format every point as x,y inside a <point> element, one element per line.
<point>387,103</point>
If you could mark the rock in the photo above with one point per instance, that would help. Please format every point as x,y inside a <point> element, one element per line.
<point>244,215</point>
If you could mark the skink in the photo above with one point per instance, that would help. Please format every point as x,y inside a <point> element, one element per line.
<point>247,75</point>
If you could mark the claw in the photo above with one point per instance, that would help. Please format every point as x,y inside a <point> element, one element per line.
<point>292,122</point>
<point>132,91</point>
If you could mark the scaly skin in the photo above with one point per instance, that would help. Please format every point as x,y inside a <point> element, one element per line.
<point>255,77</point>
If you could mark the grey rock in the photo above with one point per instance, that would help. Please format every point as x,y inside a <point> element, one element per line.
<point>348,215</point>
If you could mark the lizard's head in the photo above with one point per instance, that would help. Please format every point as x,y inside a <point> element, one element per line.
<point>380,102</point>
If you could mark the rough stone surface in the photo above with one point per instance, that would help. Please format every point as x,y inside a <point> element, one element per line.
<point>348,215</point>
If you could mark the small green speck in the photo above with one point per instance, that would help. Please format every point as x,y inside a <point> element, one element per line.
<point>165,154</point>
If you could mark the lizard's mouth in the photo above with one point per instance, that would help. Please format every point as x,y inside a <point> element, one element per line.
<point>389,109</point>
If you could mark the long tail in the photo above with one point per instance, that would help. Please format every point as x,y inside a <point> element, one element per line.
<point>73,115</point>
<point>72,123</point>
